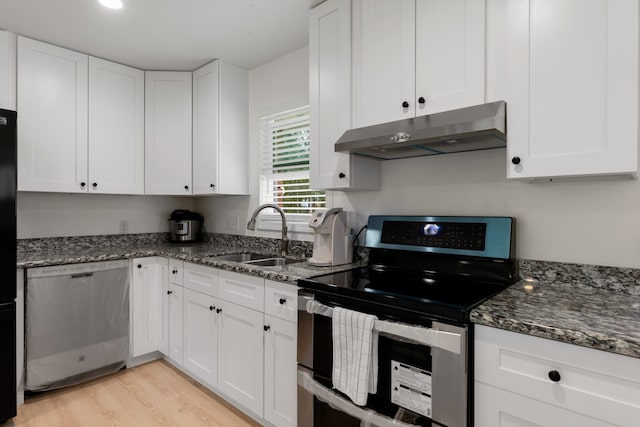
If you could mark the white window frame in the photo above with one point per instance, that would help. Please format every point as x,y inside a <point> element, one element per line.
<point>269,219</point>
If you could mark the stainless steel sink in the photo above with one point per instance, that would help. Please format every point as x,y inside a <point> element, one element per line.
<point>272,262</point>
<point>240,257</point>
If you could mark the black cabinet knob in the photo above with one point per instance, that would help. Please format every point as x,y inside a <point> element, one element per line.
<point>186,187</point>
<point>515,160</point>
<point>83,184</point>
<point>341,175</point>
<point>212,185</point>
<point>95,184</point>
<point>174,271</point>
<point>421,100</point>
<point>405,104</point>
<point>554,376</point>
<point>282,301</point>
<point>218,310</point>
<point>169,292</point>
<point>266,328</point>
<point>211,308</point>
<point>139,265</point>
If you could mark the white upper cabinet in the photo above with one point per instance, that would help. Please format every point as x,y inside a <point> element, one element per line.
<point>572,85</point>
<point>416,57</point>
<point>52,128</point>
<point>220,129</point>
<point>116,128</point>
<point>168,133</point>
<point>7,71</point>
<point>330,101</point>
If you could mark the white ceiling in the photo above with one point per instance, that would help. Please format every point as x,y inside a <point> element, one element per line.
<point>164,34</point>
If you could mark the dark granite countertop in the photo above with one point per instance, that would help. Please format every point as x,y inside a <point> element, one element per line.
<point>69,252</point>
<point>591,306</point>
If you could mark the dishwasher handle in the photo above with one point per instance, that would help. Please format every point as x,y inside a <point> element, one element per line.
<point>79,275</point>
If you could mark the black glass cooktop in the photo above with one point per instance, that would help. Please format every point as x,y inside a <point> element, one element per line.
<point>443,298</point>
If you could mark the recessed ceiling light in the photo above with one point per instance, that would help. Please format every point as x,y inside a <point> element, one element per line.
<point>111,4</point>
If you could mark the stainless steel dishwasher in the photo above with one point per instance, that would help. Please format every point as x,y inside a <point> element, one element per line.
<point>77,323</point>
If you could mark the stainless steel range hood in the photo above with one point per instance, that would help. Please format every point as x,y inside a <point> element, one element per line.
<point>480,127</point>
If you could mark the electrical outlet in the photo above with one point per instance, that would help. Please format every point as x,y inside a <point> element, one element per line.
<point>124,227</point>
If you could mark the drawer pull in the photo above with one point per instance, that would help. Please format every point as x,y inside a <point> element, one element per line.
<point>554,376</point>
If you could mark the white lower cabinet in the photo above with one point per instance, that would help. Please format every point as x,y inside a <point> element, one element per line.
<point>235,333</point>
<point>240,362</point>
<point>280,380</point>
<point>525,381</point>
<point>201,336</point>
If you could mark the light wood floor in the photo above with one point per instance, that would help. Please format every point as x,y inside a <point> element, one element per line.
<point>154,394</point>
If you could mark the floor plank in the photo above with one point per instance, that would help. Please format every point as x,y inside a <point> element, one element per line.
<point>154,394</point>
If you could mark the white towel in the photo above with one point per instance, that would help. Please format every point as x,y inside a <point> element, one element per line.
<point>355,354</point>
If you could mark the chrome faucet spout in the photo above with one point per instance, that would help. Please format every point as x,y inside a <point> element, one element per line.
<point>251,225</point>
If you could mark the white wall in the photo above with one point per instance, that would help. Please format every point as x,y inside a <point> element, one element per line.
<point>56,215</point>
<point>273,87</point>
<point>590,222</point>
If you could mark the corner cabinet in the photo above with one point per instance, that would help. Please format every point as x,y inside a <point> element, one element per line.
<point>168,133</point>
<point>416,57</point>
<point>220,129</point>
<point>521,380</point>
<point>572,85</point>
<point>7,70</point>
<point>81,126</point>
<point>330,102</point>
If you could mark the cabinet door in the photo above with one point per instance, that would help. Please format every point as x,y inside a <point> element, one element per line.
<point>450,55</point>
<point>201,336</point>
<point>330,101</point>
<point>116,128</point>
<point>146,302</point>
<point>205,129</point>
<point>240,357</point>
<point>52,128</point>
<point>175,298</point>
<point>496,407</point>
<point>280,373</point>
<point>167,133</point>
<point>7,71</point>
<point>573,88</point>
<point>384,51</point>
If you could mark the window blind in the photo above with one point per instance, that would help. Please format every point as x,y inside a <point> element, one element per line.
<point>285,163</point>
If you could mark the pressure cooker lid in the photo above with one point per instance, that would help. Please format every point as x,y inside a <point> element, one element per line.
<point>185,215</point>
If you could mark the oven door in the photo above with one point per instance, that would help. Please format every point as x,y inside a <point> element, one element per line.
<point>422,370</point>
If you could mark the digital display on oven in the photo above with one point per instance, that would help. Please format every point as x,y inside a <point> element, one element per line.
<point>450,235</point>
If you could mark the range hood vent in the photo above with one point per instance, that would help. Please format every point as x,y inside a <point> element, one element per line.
<point>480,127</point>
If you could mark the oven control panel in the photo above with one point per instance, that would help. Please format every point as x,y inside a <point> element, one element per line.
<point>450,235</point>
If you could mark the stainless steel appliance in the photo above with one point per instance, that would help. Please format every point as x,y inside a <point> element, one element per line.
<point>185,226</point>
<point>77,323</point>
<point>8,259</point>
<point>425,274</point>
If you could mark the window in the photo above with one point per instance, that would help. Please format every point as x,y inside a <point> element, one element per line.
<point>284,178</point>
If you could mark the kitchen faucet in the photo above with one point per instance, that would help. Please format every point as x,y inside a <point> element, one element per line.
<point>251,225</point>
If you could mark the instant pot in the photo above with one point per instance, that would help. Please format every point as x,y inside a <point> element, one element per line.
<point>185,226</point>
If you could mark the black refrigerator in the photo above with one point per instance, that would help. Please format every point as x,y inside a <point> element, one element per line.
<point>7,265</point>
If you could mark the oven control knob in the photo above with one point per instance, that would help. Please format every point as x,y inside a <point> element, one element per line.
<point>554,376</point>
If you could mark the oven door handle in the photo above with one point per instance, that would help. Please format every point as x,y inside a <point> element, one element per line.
<point>432,337</point>
<point>322,393</point>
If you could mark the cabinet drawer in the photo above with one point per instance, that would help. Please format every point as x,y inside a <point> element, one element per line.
<point>281,300</point>
<point>200,278</point>
<point>242,289</point>
<point>175,271</point>
<point>598,384</point>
